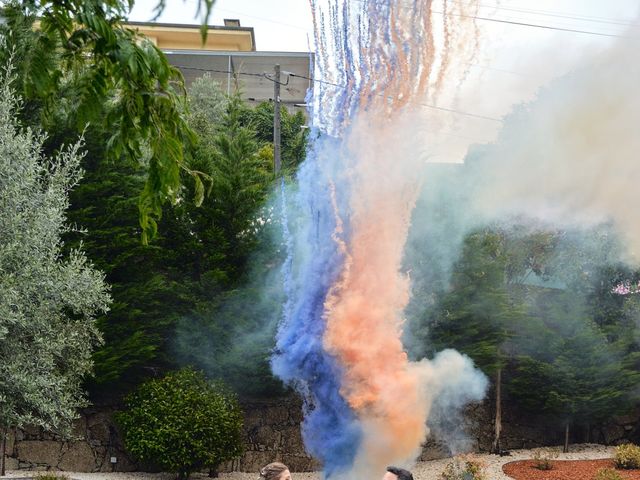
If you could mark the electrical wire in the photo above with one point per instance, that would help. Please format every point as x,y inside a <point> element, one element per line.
<point>337,85</point>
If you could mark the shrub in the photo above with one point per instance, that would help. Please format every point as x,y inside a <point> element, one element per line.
<point>182,423</point>
<point>607,474</point>
<point>543,458</point>
<point>464,467</point>
<point>627,456</point>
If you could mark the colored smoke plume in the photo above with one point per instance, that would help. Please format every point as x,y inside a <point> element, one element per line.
<point>340,343</point>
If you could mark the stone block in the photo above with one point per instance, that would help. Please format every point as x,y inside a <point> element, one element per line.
<point>78,457</point>
<point>295,414</point>
<point>99,433</point>
<point>45,452</point>
<point>613,433</point>
<point>299,463</point>
<point>11,463</point>
<point>253,418</point>
<point>265,436</point>
<point>292,441</point>
<point>103,417</point>
<point>278,415</point>
<point>79,429</point>
<point>32,433</point>
<point>253,461</point>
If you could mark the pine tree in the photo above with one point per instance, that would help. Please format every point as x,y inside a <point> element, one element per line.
<point>478,316</point>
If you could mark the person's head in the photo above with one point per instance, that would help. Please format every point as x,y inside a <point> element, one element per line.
<point>275,471</point>
<point>395,473</point>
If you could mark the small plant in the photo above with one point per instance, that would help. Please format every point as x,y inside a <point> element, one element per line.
<point>543,458</point>
<point>627,456</point>
<point>51,476</point>
<point>607,474</point>
<point>464,467</point>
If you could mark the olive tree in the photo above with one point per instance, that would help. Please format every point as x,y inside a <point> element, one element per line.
<point>48,296</point>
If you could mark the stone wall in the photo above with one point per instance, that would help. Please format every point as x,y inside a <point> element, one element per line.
<point>93,443</point>
<point>272,433</point>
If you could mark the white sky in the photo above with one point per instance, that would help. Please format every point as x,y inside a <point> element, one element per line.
<point>515,61</point>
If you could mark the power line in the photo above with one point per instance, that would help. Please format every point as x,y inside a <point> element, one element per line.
<point>261,75</point>
<point>435,107</point>
<point>523,24</point>
<point>337,85</point>
<point>264,19</point>
<point>534,25</point>
<point>548,13</point>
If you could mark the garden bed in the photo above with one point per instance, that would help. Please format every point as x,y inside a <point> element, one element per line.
<point>563,470</point>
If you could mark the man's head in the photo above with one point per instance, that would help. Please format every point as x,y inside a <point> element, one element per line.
<point>395,473</point>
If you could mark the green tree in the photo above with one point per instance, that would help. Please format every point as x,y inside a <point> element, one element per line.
<point>478,316</point>
<point>151,287</point>
<point>81,51</point>
<point>197,267</point>
<point>233,233</point>
<point>182,423</point>
<point>239,167</point>
<point>576,373</point>
<point>485,313</point>
<point>294,136</point>
<point>48,299</point>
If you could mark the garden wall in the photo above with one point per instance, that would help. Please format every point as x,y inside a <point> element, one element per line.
<point>272,432</point>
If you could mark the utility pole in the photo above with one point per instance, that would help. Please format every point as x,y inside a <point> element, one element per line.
<point>276,120</point>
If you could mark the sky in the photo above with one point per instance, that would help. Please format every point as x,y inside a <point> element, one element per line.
<point>514,62</point>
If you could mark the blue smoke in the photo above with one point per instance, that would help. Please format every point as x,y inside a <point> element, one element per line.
<point>330,430</point>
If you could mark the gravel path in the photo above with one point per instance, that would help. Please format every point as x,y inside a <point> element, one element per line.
<point>422,471</point>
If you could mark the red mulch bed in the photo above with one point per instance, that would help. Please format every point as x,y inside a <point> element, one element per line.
<point>564,470</point>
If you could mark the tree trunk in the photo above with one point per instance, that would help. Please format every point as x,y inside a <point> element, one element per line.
<point>566,437</point>
<point>4,451</point>
<point>213,472</point>
<point>498,423</point>
<point>588,439</point>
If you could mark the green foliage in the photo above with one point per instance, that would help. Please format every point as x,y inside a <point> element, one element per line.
<point>192,288</point>
<point>543,458</point>
<point>478,315</point>
<point>576,373</point>
<point>464,467</point>
<point>627,456</point>
<point>207,107</point>
<point>49,297</point>
<point>293,136</point>
<point>149,287</point>
<point>182,423</point>
<point>235,230</point>
<point>607,474</point>
<point>109,76</point>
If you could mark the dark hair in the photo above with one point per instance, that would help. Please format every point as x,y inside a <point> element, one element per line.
<point>401,473</point>
<point>273,471</point>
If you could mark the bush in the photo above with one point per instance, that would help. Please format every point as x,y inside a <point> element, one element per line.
<point>464,467</point>
<point>607,474</point>
<point>543,458</point>
<point>627,456</point>
<point>182,423</point>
